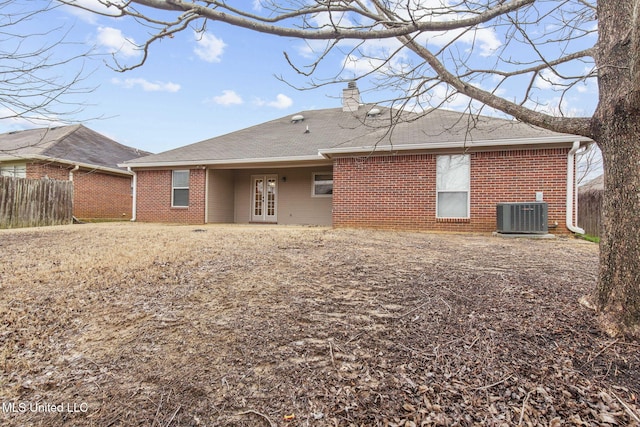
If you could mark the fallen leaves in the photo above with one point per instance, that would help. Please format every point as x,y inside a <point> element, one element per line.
<point>247,326</point>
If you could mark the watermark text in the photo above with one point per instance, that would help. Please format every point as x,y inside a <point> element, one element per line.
<point>43,407</point>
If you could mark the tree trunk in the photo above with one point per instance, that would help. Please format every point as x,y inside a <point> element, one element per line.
<point>616,128</point>
<point>618,290</point>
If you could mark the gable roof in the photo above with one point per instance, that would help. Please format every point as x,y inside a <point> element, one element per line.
<point>77,145</point>
<point>321,134</point>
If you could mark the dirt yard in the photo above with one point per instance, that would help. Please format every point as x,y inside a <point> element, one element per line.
<point>132,324</point>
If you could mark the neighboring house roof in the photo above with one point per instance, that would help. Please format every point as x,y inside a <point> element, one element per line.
<point>76,145</point>
<point>328,132</point>
<point>593,185</point>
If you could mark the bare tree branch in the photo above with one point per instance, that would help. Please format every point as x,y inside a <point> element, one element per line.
<point>32,86</point>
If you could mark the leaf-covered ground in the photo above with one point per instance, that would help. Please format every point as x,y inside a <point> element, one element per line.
<point>134,324</point>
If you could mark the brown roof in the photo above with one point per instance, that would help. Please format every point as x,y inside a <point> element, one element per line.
<point>334,130</point>
<point>69,144</point>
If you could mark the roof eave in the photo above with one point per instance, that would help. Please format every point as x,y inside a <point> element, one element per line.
<point>224,162</point>
<point>560,139</point>
<point>14,158</point>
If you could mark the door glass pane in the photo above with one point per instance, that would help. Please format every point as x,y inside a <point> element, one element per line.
<point>257,202</point>
<point>271,197</point>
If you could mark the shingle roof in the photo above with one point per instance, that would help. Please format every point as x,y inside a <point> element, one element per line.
<point>596,184</point>
<point>73,144</point>
<point>333,129</point>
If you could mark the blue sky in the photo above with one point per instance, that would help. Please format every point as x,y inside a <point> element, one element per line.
<point>195,87</point>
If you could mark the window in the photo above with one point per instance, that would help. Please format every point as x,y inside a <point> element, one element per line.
<point>452,186</point>
<point>180,188</point>
<point>322,184</point>
<point>14,171</point>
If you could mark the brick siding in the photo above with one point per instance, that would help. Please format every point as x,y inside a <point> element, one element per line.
<point>154,198</point>
<point>101,196</point>
<point>399,192</point>
<point>96,195</point>
<point>48,170</point>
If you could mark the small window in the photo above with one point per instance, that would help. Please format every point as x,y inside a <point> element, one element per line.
<point>14,171</point>
<point>452,186</point>
<point>322,184</point>
<point>180,188</point>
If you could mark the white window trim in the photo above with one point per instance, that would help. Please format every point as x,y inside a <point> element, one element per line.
<point>173,188</point>
<point>313,184</point>
<point>468,191</point>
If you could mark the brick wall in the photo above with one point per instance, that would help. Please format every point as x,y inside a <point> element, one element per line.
<point>101,196</point>
<point>400,191</point>
<point>154,198</point>
<point>96,195</point>
<point>48,170</point>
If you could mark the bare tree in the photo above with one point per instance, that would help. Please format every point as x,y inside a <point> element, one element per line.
<point>589,165</point>
<point>42,71</point>
<point>542,43</point>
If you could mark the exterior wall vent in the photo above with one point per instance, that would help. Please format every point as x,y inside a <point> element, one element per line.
<point>526,217</point>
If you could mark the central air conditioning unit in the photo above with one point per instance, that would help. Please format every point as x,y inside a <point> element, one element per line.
<point>525,217</point>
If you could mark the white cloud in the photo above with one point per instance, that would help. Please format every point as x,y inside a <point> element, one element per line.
<point>93,6</point>
<point>562,107</point>
<point>10,121</point>
<point>146,85</point>
<point>327,20</point>
<point>547,79</point>
<point>443,96</point>
<point>446,11</point>
<point>116,42</point>
<point>209,48</point>
<point>228,97</point>
<point>483,39</point>
<point>377,62</point>
<point>281,102</point>
<point>360,65</point>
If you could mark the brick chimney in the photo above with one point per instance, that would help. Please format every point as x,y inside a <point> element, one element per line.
<point>350,98</point>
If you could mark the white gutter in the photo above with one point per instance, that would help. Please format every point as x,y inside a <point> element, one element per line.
<point>571,184</point>
<point>252,162</point>
<point>134,201</point>
<point>562,139</point>
<point>75,168</point>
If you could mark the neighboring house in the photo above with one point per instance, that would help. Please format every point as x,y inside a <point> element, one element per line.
<point>102,189</point>
<point>595,184</point>
<point>346,167</point>
<point>590,205</point>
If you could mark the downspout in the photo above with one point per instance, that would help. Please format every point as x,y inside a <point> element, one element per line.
<point>71,171</point>
<point>73,198</point>
<point>571,183</point>
<point>134,200</point>
<point>206,195</point>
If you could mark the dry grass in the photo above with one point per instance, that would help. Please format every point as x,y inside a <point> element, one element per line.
<point>235,325</point>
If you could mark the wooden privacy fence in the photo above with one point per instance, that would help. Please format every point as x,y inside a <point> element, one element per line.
<point>35,202</point>
<point>590,211</point>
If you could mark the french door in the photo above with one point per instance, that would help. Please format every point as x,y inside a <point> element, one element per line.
<point>264,198</point>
